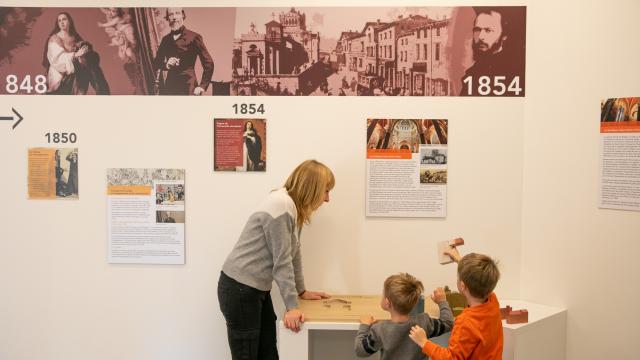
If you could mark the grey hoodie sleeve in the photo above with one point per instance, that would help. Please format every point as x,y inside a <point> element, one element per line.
<point>367,342</point>
<point>442,325</point>
<point>279,235</point>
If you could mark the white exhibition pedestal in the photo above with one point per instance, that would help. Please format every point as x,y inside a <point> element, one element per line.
<point>543,337</point>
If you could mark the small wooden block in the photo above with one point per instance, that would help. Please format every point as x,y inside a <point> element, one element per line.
<point>505,311</point>
<point>518,317</point>
<point>446,245</point>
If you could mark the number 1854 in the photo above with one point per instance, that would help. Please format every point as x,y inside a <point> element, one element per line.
<point>497,87</point>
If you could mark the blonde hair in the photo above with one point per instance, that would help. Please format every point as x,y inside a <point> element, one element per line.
<point>403,291</point>
<point>479,273</point>
<point>307,185</point>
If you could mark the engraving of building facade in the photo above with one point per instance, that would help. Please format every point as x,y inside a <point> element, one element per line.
<point>402,57</point>
<point>278,56</point>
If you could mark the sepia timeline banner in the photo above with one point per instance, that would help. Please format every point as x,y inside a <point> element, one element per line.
<point>338,51</point>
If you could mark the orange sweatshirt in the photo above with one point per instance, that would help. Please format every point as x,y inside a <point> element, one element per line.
<point>477,334</point>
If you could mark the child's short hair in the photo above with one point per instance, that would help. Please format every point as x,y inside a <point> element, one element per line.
<point>403,292</point>
<point>479,273</point>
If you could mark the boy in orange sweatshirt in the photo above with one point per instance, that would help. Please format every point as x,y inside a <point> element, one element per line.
<point>477,331</point>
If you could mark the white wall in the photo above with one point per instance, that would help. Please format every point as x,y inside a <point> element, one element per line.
<point>62,295</point>
<point>61,299</point>
<point>574,254</point>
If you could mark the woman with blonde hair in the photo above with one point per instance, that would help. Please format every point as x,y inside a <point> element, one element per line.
<point>269,249</point>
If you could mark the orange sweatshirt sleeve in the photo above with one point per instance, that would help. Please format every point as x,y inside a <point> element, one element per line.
<point>462,343</point>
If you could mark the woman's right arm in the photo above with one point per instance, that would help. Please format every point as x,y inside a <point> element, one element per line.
<point>293,318</point>
<point>278,233</point>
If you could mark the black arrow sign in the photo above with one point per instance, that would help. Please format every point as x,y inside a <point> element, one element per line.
<point>12,117</point>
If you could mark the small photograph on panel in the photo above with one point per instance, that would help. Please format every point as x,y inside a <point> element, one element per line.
<point>433,176</point>
<point>619,109</point>
<point>398,134</point>
<point>170,217</point>
<point>169,194</point>
<point>619,115</point>
<point>66,162</point>
<point>433,155</point>
<point>240,145</point>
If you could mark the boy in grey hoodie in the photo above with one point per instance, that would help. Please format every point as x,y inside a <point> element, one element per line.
<point>391,337</point>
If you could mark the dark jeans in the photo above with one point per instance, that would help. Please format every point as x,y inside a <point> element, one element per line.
<point>251,321</point>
